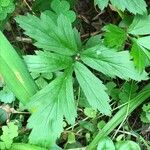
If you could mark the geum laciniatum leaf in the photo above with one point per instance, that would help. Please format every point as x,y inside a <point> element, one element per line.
<point>58,38</point>
<point>44,62</point>
<point>134,6</point>
<point>111,63</point>
<point>114,37</point>
<point>93,88</point>
<point>140,48</point>
<point>62,50</point>
<point>52,103</point>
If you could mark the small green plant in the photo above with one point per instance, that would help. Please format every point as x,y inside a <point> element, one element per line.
<point>9,133</point>
<point>6,7</point>
<point>63,50</point>
<point>69,75</point>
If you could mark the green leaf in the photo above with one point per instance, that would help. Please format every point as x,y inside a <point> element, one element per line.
<point>101,3</point>
<point>71,138</point>
<point>145,115</point>
<point>41,82</point>
<point>41,5</point>
<point>144,41</point>
<point>9,133</point>
<point>134,6</point>
<point>127,145</point>
<point>26,146</point>
<point>112,90</point>
<point>88,126</point>
<point>62,7</point>
<point>140,25</point>
<point>15,72</point>
<point>3,116</point>
<point>89,112</point>
<point>111,63</point>
<point>5,3</point>
<point>138,56</point>
<point>114,36</point>
<point>52,103</point>
<point>93,41</point>
<point>6,7</point>
<point>128,91</point>
<point>58,37</point>
<point>93,89</point>
<point>106,144</point>
<point>6,95</point>
<point>44,62</point>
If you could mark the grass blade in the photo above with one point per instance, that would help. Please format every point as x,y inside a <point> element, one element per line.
<point>15,72</point>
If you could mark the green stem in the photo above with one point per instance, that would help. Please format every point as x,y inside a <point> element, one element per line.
<point>119,116</point>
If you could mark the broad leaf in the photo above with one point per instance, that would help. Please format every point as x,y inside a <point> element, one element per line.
<point>50,36</point>
<point>51,104</point>
<point>134,6</point>
<point>47,62</point>
<point>114,36</point>
<point>6,7</point>
<point>93,89</point>
<point>6,95</point>
<point>101,3</point>
<point>138,56</point>
<point>93,41</point>
<point>127,145</point>
<point>128,91</point>
<point>106,144</point>
<point>140,25</point>
<point>62,7</point>
<point>111,63</point>
<point>144,41</point>
<point>15,72</point>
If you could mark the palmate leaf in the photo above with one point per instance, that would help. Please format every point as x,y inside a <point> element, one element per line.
<point>93,89</point>
<point>114,37</point>
<point>46,61</point>
<point>134,6</point>
<point>52,103</point>
<point>58,37</point>
<point>111,63</point>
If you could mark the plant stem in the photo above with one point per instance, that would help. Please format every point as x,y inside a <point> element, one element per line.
<point>119,116</point>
